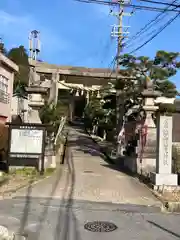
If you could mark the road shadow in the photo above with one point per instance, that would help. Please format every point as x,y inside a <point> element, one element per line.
<point>65,212</point>
<point>164,229</point>
<point>88,145</point>
<point>119,167</point>
<point>23,230</point>
<point>85,144</point>
<point>63,226</point>
<point>24,219</point>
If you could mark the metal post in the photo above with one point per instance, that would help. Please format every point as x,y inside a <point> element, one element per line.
<point>43,153</point>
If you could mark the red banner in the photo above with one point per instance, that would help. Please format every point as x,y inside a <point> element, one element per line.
<point>143,138</point>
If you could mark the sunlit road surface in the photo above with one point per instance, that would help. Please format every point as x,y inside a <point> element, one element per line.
<point>87,189</point>
<point>55,219</point>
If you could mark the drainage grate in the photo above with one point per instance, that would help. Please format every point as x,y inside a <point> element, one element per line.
<point>100,226</point>
<point>88,171</point>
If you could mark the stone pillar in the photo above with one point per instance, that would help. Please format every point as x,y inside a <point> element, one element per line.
<point>53,97</point>
<point>163,177</point>
<point>56,88</point>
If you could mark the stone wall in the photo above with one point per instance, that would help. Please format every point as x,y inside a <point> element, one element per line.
<point>176,157</point>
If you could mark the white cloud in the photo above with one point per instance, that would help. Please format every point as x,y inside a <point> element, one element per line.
<point>15,29</point>
<point>6,19</point>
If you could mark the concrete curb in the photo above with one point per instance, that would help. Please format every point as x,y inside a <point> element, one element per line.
<point>173,207</point>
<point>34,182</point>
<point>167,206</point>
<point>12,192</point>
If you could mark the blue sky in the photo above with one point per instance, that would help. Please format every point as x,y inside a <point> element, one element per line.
<point>77,34</point>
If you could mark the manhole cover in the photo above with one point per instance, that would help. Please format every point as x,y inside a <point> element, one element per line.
<point>100,226</point>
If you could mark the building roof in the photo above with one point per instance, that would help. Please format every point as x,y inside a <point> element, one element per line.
<point>78,68</point>
<point>44,67</point>
<point>5,60</point>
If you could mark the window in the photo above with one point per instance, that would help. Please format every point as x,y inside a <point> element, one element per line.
<point>4,96</point>
<point>3,84</point>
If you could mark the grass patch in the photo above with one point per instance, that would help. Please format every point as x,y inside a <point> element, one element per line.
<point>24,172</point>
<point>30,172</point>
<point>49,171</point>
<point>4,179</point>
<point>21,177</point>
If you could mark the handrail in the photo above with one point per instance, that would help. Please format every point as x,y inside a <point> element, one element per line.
<point>61,126</point>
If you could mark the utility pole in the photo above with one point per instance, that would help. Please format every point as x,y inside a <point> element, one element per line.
<point>119,33</point>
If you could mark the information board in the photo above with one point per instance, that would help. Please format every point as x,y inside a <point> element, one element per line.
<point>26,141</point>
<point>26,145</point>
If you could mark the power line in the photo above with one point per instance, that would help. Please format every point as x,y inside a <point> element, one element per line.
<point>161,3</point>
<point>138,7</point>
<point>112,63</point>
<point>157,33</point>
<point>150,24</point>
<point>106,50</point>
<point>141,38</point>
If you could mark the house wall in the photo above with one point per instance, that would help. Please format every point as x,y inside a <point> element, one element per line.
<point>6,96</point>
<point>7,69</point>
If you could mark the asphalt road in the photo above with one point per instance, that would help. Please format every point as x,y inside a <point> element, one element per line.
<point>59,207</point>
<point>40,218</point>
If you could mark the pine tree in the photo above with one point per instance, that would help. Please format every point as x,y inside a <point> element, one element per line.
<point>20,57</point>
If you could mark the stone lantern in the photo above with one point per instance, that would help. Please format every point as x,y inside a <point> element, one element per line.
<point>147,145</point>
<point>35,97</point>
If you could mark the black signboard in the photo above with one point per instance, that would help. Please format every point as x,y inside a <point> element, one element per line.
<point>26,145</point>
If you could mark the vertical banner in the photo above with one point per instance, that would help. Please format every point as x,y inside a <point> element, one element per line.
<point>143,138</point>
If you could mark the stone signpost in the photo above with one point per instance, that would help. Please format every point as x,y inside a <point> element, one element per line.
<point>163,177</point>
